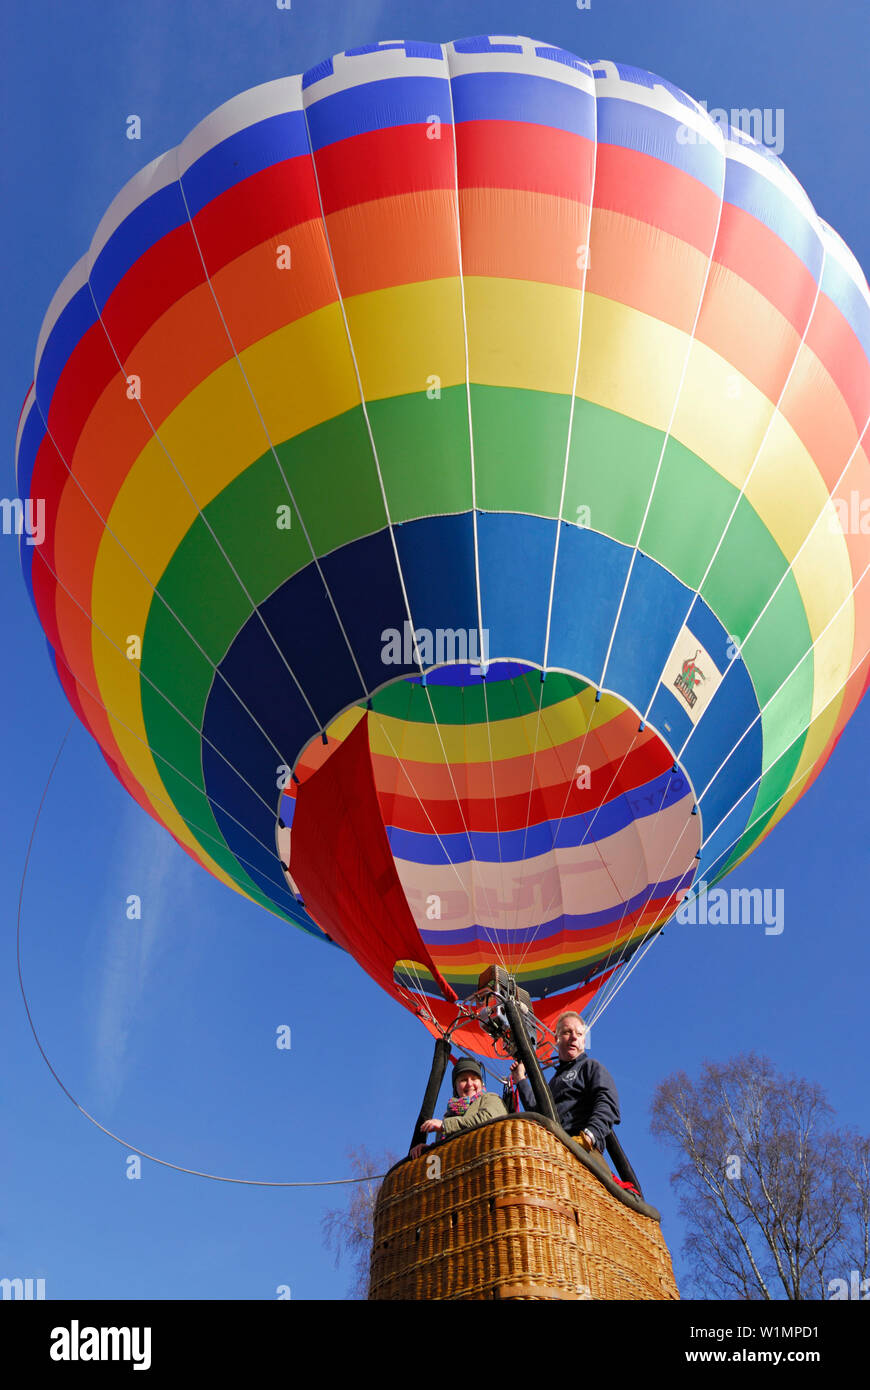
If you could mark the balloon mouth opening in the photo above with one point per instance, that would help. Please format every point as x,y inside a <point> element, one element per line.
<point>536,819</point>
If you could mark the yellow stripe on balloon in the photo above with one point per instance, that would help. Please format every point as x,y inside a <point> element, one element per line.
<point>119,685</point>
<point>790,495</point>
<point>482,743</point>
<point>629,363</point>
<point>522,334</point>
<point>726,430</point>
<point>404,335</point>
<point>817,736</point>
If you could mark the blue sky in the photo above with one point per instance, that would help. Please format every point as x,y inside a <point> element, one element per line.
<point>164,1028</point>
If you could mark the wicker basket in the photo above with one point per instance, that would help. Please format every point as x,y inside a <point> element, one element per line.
<point>512,1214</point>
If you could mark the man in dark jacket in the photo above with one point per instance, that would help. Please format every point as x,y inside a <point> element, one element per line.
<point>583,1091</point>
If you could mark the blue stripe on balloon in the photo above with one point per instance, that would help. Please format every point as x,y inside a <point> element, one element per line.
<point>655,133</point>
<point>668,713</point>
<point>437,559</point>
<point>393,101</point>
<point>748,189</point>
<point>485,43</point>
<point>32,435</point>
<point>301,623</point>
<point>516,565</point>
<point>732,712</point>
<point>520,96</point>
<point>722,842</point>
<point>590,573</point>
<point>464,674</point>
<point>148,222</point>
<point>639,77</point>
<point>730,717</point>
<point>325,68</point>
<point>411,48</point>
<point>73,322</point>
<point>653,612</point>
<point>240,156</point>
<point>265,871</point>
<point>513,846</point>
<point>375,607</point>
<point>842,291</point>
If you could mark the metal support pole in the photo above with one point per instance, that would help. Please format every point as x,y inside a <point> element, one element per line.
<point>529,1058</point>
<point>436,1076</point>
<point>620,1161</point>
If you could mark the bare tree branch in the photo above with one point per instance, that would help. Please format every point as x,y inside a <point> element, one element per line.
<point>776,1200</point>
<point>347,1230</point>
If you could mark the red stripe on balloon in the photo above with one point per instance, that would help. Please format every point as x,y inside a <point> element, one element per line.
<point>89,368</point>
<point>161,275</point>
<point>657,193</point>
<point>832,340</point>
<point>514,155</point>
<point>257,210</point>
<point>763,260</point>
<point>383,163</point>
<point>508,813</point>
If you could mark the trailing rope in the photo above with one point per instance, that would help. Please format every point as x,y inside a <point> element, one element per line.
<point>164,1163</point>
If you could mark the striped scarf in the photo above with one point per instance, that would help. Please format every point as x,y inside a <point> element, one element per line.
<point>457,1105</point>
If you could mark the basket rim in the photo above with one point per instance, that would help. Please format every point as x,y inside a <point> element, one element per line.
<point>627,1199</point>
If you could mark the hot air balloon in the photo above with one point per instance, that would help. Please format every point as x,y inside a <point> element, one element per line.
<point>446,457</point>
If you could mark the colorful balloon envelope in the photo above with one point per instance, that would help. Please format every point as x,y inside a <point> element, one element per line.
<point>450,461</point>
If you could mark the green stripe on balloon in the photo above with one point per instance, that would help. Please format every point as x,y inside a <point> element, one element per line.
<point>172,739</point>
<point>332,471</point>
<point>245,516</point>
<point>520,696</point>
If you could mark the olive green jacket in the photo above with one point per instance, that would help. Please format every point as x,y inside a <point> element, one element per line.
<point>487,1107</point>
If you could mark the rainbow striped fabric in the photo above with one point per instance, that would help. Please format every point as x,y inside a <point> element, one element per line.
<point>481,361</point>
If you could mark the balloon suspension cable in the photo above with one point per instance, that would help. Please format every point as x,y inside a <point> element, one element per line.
<point>486,1008</point>
<point>504,1012</point>
<point>125,1143</point>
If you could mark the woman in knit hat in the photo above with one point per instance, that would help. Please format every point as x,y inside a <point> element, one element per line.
<point>470,1104</point>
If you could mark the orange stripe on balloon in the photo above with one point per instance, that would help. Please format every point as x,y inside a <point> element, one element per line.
<point>658,274</point>
<point>521,235</point>
<point>395,241</point>
<point>756,255</point>
<point>741,326</point>
<point>821,419</point>
<point>834,343</point>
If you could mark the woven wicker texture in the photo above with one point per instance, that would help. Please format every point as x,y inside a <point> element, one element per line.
<point>512,1214</point>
